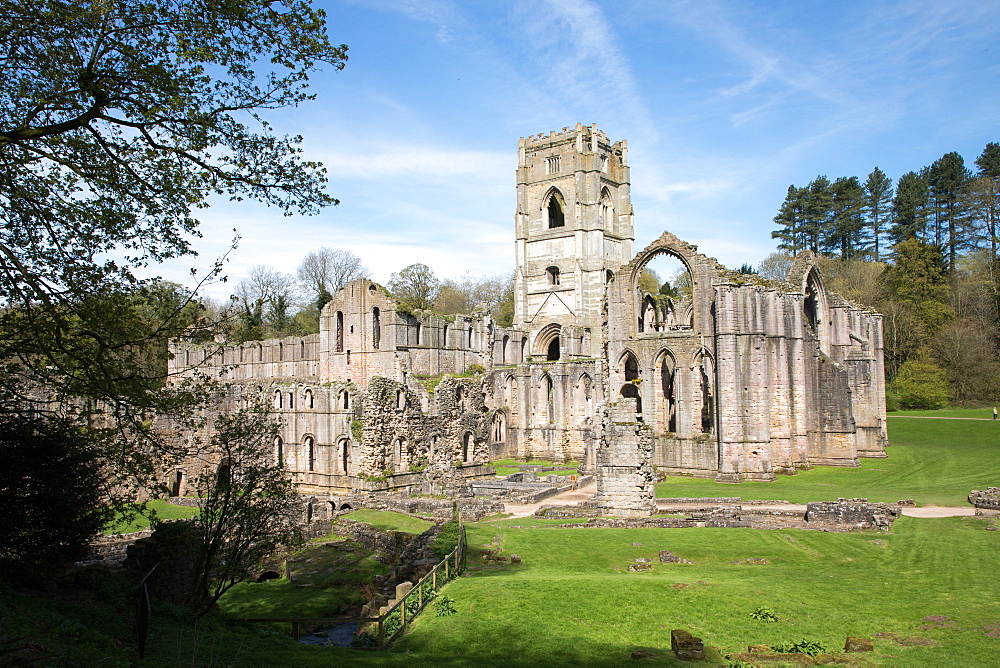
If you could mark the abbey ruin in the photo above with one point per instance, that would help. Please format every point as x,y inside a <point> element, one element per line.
<point>738,378</point>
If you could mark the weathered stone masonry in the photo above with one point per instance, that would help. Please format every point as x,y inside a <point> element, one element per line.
<point>741,379</point>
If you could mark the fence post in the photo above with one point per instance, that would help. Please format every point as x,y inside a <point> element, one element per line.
<point>381,632</point>
<point>434,579</point>
<point>420,596</point>
<point>447,569</point>
<point>402,612</point>
<point>295,630</point>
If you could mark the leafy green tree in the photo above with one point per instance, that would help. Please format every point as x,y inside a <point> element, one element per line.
<point>921,385</point>
<point>649,282</point>
<point>415,287</point>
<point>51,493</point>
<point>261,302</point>
<point>118,120</point>
<point>877,207</point>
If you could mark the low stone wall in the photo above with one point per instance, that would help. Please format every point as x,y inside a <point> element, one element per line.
<point>111,550</point>
<point>472,508</point>
<point>988,499</point>
<point>386,545</point>
<point>851,514</point>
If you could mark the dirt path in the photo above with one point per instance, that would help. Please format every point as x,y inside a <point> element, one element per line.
<point>563,499</point>
<point>937,417</point>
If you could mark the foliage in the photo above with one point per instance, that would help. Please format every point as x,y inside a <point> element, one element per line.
<point>415,287</point>
<point>357,430</point>
<point>118,120</point>
<point>444,607</point>
<point>808,647</point>
<point>649,282</point>
<point>765,615</point>
<point>468,293</point>
<point>447,540</point>
<point>261,304</point>
<point>921,384</point>
<point>248,503</point>
<point>776,265</point>
<point>51,494</point>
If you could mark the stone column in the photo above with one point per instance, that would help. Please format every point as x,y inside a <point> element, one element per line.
<point>625,479</point>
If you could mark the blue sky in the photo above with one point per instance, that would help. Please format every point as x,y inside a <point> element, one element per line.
<point>724,104</point>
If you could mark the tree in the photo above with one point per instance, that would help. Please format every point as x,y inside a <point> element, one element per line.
<point>984,196</point>
<point>117,120</point>
<point>649,282</point>
<point>909,208</point>
<point>946,179</point>
<point>415,287</point>
<point>922,385</point>
<point>791,220</point>
<point>248,503</point>
<point>262,301</point>
<point>326,270</point>
<point>846,226</point>
<point>877,206</point>
<point>51,493</point>
<point>816,213</point>
<point>776,265</point>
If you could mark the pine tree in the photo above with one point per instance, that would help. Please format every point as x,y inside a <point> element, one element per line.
<point>909,209</point>
<point>818,209</point>
<point>790,219</point>
<point>946,179</point>
<point>985,195</point>
<point>877,206</point>
<point>845,229</point>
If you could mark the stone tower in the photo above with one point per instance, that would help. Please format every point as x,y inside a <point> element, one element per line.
<point>574,230</point>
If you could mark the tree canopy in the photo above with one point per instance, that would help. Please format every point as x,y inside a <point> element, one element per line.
<point>118,120</point>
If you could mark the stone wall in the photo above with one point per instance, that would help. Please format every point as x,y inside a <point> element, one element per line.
<point>988,499</point>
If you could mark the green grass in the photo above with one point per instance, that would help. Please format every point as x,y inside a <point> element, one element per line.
<point>390,521</point>
<point>326,582</point>
<point>931,461</point>
<point>573,601</point>
<point>163,510</point>
<point>507,466</point>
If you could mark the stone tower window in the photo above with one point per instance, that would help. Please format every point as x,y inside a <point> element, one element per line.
<point>444,342</point>
<point>345,455</point>
<point>469,345</point>
<point>553,275</point>
<point>555,210</point>
<point>552,165</point>
<point>277,398</point>
<point>340,332</point>
<point>310,403</point>
<point>376,328</point>
<point>604,164</point>
<point>279,451</point>
<point>552,353</point>
<point>503,349</point>
<point>310,453</point>
<point>607,210</point>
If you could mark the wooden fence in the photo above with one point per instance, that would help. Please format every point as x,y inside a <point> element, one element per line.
<point>391,623</point>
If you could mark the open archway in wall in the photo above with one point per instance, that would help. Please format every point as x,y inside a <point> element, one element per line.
<point>704,395</point>
<point>585,398</point>
<point>666,391</point>
<point>548,396</point>
<point>547,343</point>
<point>504,349</point>
<point>816,312</point>
<point>376,327</point>
<point>310,452</point>
<point>554,209</point>
<point>663,293</point>
<point>630,365</point>
<point>176,482</point>
<point>499,430</point>
<point>344,455</point>
<point>468,447</point>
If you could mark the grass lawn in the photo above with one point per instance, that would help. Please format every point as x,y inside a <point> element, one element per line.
<point>163,510</point>
<point>508,466</point>
<point>326,582</point>
<point>931,461</point>
<point>389,521</point>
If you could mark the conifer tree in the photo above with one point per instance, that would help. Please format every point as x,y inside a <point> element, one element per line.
<point>877,206</point>
<point>946,179</point>
<point>909,208</point>
<point>790,219</point>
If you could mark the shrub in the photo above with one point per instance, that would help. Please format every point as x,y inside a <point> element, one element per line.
<point>922,385</point>
<point>765,615</point>
<point>807,647</point>
<point>445,606</point>
<point>446,541</point>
